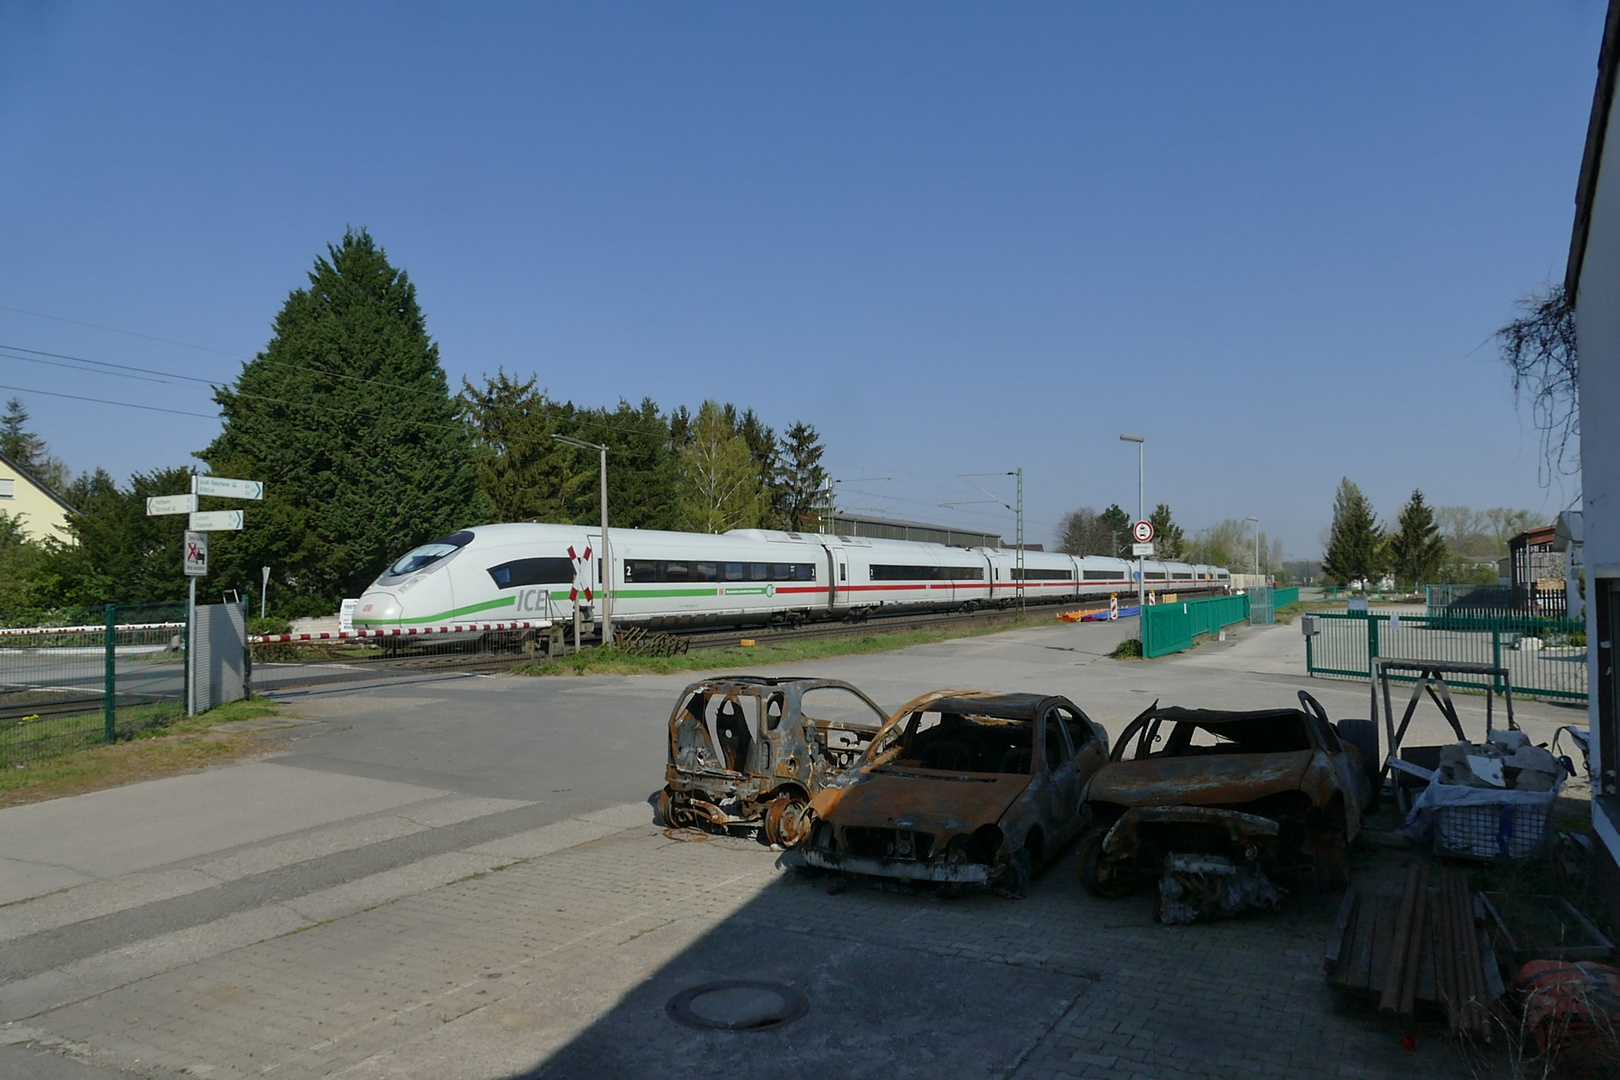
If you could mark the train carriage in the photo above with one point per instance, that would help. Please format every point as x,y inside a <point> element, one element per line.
<point>533,572</point>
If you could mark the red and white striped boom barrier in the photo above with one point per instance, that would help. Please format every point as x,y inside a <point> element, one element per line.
<point>42,631</point>
<point>407,631</point>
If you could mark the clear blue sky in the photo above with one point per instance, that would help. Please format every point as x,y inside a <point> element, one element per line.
<point>957,238</point>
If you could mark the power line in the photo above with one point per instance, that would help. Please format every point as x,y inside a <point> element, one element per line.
<point>104,401</point>
<point>126,333</point>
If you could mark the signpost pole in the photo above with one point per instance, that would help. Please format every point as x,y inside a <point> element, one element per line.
<point>1141,515</point>
<point>191,650</point>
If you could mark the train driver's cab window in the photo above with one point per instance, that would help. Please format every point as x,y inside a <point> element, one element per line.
<point>429,554</point>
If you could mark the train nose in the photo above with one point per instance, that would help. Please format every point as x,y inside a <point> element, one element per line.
<point>377,609</point>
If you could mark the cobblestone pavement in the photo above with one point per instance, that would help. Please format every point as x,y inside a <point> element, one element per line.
<point>558,965</point>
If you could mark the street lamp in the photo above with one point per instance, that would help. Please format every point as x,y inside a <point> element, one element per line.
<point>1256,546</point>
<point>607,559</point>
<point>1141,505</point>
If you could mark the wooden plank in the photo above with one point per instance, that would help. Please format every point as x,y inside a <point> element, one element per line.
<point>1361,958</point>
<point>1383,937</point>
<point>1428,991</point>
<point>1339,938</point>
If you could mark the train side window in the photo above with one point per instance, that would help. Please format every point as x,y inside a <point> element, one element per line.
<point>843,572</point>
<point>510,575</point>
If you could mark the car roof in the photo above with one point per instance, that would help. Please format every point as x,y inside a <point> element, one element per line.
<point>1224,716</point>
<point>1001,706</point>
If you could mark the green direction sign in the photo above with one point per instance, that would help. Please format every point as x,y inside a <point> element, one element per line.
<point>227,489</point>
<point>216,520</point>
<point>170,504</point>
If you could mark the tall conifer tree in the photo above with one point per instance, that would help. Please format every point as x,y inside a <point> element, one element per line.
<point>347,418</point>
<point>1416,550</point>
<point>1355,545</point>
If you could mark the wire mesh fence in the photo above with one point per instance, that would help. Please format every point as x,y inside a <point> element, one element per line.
<point>67,683</point>
<point>1545,658</point>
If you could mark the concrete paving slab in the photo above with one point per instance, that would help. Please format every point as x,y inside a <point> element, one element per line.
<point>160,822</point>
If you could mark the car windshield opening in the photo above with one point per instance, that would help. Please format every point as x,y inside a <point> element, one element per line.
<point>953,742</point>
<point>1261,736</point>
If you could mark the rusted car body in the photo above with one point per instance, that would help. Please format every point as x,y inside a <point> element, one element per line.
<point>753,751</point>
<point>1233,795</point>
<point>961,787</point>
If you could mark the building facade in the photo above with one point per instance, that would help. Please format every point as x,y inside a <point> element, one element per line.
<point>42,512</point>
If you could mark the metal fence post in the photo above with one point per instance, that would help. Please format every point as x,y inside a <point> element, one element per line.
<point>1496,659</point>
<point>109,679</point>
<point>1372,643</point>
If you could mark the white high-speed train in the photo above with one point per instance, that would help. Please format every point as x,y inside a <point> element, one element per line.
<point>520,572</point>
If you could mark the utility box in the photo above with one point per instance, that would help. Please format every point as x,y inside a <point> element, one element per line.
<point>1310,625</point>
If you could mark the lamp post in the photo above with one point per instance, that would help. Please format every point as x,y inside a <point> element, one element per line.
<point>1256,545</point>
<point>1141,506</point>
<point>607,559</point>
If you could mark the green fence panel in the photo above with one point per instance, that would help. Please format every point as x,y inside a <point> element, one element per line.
<point>68,682</point>
<point>1169,628</point>
<point>1284,597</point>
<point>1544,657</point>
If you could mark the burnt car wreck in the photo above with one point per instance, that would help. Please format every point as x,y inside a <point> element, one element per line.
<point>746,751</point>
<point>1215,804</point>
<point>960,788</point>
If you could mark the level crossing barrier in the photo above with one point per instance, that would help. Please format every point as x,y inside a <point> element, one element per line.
<point>1169,628</point>
<point>1545,658</point>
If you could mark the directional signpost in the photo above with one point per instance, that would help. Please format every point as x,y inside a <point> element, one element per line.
<point>227,489</point>
<point>170,504</point>
<point>216,520</point>
<point>194,552</point>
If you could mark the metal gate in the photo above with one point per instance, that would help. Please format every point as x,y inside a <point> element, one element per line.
<point>1544,657</point>
<point>217,669</point>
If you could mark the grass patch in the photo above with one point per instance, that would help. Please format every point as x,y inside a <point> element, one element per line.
<point>615,662</point>
<point>185,745</point>
<point>1129,649</point>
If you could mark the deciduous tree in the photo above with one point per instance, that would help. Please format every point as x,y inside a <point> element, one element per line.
<point>1539,349</point>
<point>1084,532</point>
<point>720,486</point>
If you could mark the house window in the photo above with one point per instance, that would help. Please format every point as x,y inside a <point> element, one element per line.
<point>8,489</point>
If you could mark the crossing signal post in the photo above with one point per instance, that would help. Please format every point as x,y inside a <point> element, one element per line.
<point>194,549</point>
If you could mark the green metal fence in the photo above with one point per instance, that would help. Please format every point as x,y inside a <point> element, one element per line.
<point>65,686</point>
<point>1263,604</point>
<point>1168,628</point>
<point>1544,657</point>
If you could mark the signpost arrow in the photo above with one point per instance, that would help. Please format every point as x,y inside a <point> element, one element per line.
<point>170,504</point>
<point>226,488</point>
<point>216,520</point>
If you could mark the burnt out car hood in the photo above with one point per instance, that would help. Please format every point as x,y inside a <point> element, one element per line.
<point>1199,780</point>
<point>938,802</point>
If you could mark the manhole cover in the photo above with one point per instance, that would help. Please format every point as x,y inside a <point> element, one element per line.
<point>738,1005</point>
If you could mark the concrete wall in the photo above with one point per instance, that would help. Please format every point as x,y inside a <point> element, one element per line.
<point>1598,329</point>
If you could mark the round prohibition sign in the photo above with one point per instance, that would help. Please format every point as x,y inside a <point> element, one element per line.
<point>1143,531</point>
